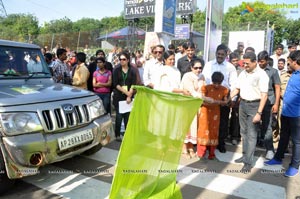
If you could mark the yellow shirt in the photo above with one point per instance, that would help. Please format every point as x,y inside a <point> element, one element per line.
<point>284,78</point>
<point>81,75</point>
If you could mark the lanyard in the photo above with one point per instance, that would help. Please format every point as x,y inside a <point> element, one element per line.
<point>124,76</point>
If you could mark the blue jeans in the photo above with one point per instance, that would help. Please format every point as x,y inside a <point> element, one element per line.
<point>290,126</point>
<point>248,129</point>
<point>266,132</point>
<point>105,97</point>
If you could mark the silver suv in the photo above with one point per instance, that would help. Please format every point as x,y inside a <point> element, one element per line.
<point>42,122</point>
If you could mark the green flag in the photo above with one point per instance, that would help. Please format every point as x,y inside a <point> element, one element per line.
<point>150,152</point>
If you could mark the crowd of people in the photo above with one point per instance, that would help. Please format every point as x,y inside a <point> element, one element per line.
<point>246,97</point>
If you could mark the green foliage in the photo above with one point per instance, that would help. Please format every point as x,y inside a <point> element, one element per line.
<point>146,23</point>
<point>87,24</point>
<point>237,20</point>
<point>20,27</point>
<point>199,21</point>
<point>292,30</point>
<point>113,23</point>
<point>58,26</point>
<point>24,27</point>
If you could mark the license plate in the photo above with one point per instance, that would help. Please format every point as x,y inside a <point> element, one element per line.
<point>75,139</point>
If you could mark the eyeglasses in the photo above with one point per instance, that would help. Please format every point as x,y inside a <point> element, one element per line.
<point>156,52</point>
<point>197,68</point>
<point>123,59</point>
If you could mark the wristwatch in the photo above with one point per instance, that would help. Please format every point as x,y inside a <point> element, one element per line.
<point>259,113</point>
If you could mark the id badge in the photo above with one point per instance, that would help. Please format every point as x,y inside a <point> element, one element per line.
<point>125,87</point>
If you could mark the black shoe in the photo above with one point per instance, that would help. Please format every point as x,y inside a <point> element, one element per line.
<point>239,160</point>
<point>222,149</point>
<point>246,168</point>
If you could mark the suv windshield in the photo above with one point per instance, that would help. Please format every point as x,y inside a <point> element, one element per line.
<point>22,62</point>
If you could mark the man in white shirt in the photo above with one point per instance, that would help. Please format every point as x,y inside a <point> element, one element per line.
<point>230,78</point>
<point>252,85</point>
<point>152,66</point>
<point>278,54</point>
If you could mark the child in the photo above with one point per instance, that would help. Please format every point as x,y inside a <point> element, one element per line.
<point>192,81</point>
<point>209,119</point>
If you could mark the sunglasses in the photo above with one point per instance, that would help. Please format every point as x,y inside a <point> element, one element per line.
<point>156,52</point>
<point>197,68</point>
<point>123,59</point>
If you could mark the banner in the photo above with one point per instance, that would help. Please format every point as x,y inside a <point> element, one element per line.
<point>137,9</point>
<point>146,8</point>
<point>185,7</point>
<point>182,31</point>
<point>151,149</point>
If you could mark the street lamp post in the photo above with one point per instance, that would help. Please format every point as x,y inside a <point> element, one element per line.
<point>188,19</point>
<point>132,33</point>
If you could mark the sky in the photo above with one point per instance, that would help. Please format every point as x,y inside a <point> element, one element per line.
<point>47,10</point>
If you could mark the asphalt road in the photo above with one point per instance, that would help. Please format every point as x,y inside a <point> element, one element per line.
<point>91,177</point>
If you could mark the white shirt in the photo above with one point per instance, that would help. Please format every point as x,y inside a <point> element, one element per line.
<point>226,68</point>
<point>151,68</point>
<point>178,56</point>
<point>168,79</point>
<point>252,84</point>
<point>275,61</point>
<point>193,83</point>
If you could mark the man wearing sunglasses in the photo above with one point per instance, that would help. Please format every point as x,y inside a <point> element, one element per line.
<point>153,65</point>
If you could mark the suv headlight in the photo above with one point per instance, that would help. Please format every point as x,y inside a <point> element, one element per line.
<point>20,123</point>
<point>96,109</point>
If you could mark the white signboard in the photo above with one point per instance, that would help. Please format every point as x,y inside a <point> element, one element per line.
<point>254,39</point>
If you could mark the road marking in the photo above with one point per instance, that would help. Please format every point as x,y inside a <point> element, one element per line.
<point>70,184</point>
<point>105,155</point>
<point>230,185</point>
<point>259,161</point>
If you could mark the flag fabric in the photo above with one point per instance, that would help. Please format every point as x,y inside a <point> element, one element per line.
<point>148,160</point>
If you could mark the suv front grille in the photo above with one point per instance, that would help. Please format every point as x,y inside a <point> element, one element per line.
<point>57,119</point>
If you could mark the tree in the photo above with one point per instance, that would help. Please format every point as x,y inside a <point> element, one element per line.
<point>19,27</point>
<point>53,30</point>
<point>199,21</point>
<point>292,31</point>
<point>146,23</point>
<point>89,29</point>
<point>58,26</point>
<point>87,24</point>
<point>239,18</point>
<point>112,23</point>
